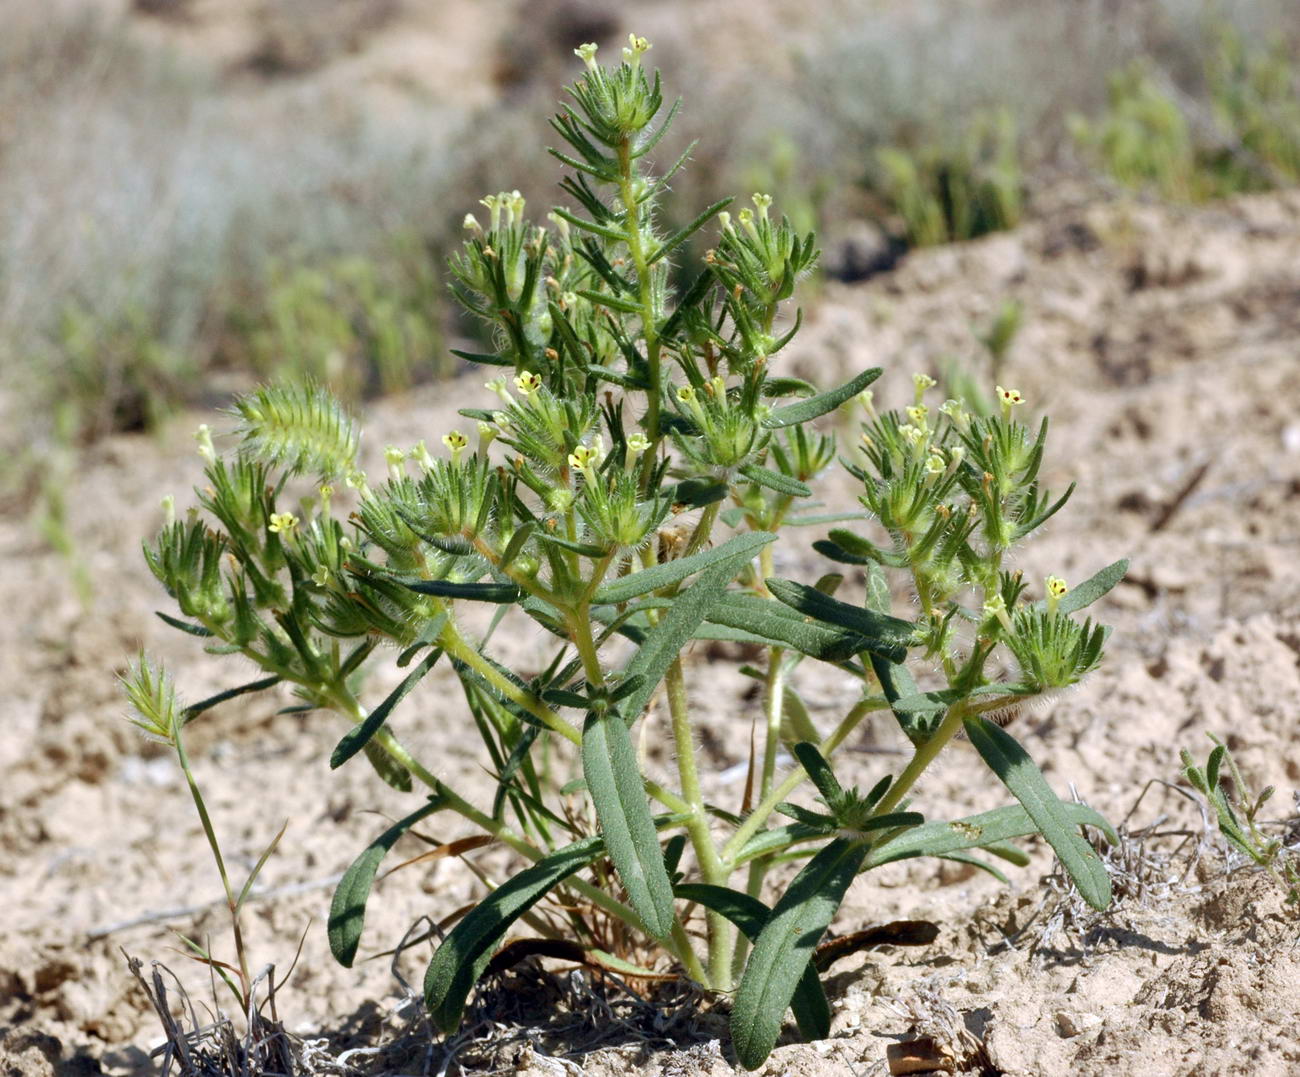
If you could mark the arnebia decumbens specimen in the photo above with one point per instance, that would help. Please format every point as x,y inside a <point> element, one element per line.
<point>627,398</point>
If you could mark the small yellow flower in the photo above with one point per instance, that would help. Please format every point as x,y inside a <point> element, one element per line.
<point>321,577</point>
<point>1057,589</point>
<point>922,382</point>
<point>528,382</point>
<point>1010,398</point>
<point>282,523</point>
<point>686,394</point>
<point>762,202</point>
<point>587,54</point>
<point>867,399</point>
<point>455,441</point>
<point>919,414</point>
<point>635,47</point>
<point>934,464</point>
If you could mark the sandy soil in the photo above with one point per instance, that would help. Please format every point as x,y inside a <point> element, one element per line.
<point>1163,344</point>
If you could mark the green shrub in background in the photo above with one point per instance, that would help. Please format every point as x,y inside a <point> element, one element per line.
<point>1152,137</point>
<point>1143,140</point>
<point>945,191</point>
<point>112,372</point>
<point>355,324</point>
<point>1256,98</point>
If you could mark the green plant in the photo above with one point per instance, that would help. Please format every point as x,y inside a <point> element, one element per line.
<point>1256,98</point>
<point>945,192</point>
<point>158,714</point>
<point>623,404</point>
<point>1143,139</point>
<point>1237,810</point>
<point>1247,140</point>
<point>353,323</point>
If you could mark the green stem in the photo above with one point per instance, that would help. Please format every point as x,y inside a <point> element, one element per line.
<point>210,833</point>
<point>922,758</point>
<point>348,704</point>
<point>632,230</point>
<point>721,930</point>
<point>459,648</point>
<point>754,822</point>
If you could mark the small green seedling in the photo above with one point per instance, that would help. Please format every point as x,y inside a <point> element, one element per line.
<point>1238,811</point>
<point>639,457</point>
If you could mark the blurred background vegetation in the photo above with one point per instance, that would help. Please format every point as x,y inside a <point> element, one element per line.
<point>197,194</point>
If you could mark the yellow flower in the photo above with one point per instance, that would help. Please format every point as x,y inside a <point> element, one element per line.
<point>281,523</point>
<point>528,382</point>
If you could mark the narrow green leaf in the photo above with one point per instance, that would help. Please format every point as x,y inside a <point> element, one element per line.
<point>785,946</point>
<point>388,768</point>
<point>763,621</point>
<point>184,626</point>
<point>257,868</point>
<point>604,299</point>
<point>359,736</point>
<point>988,830</point>
<point>1011,763</point>
<point>482,358</point>
<point>465,953</point>
<point>774,480</point>
<point>1092,589</point>
<point>897,684</point>
<point>618,794</point>
<point>348,909</point>
<point>195,709</point>
<point>682,235</point>
<point>476,592</point>
<point>819,770</point>
<point>804,410</point>
<point>735,551</point>
<point>889,636</point>
<point>811,1010</point>
<point>663,643</point>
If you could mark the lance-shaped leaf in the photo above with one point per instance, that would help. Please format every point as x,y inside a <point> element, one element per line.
<point>889,636</point>
<point>465,953</point>
<point>388,768</point>
<point>195,709</point>
<point>1092,589</point>
<point>811,1010</point>
<point>758,620</point>
<point>618,793</point>
<point>735,551</point>
<point>664,642</point>
<point>987,830</point>
<point>348,909</point>
<point>1011,763</point>
<point>774,480</point>
<point>804,410</point>
<point>683,234</point>
<point>475,592</point>
<point>785,946</point>
<point>359,736</point>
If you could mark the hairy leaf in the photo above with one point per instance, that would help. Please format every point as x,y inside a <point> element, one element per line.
<point>1011,763</point>
<point>348,909</point>
<point>461,959</point>
<point>614,783</point>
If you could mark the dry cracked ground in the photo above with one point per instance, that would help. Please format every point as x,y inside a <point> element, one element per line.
<point>1164,344</point>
